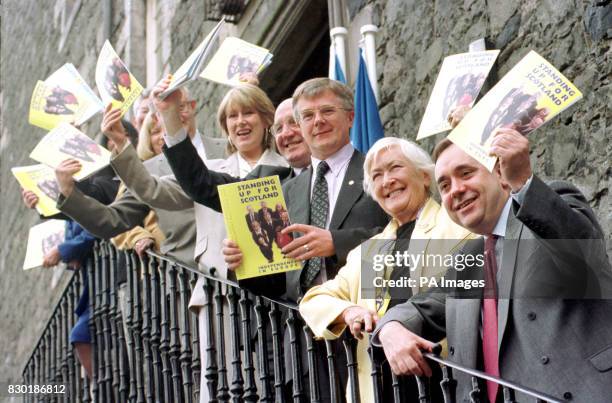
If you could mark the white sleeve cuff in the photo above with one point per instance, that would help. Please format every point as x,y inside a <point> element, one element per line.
<point>177,138</point>
<point>520,195</point>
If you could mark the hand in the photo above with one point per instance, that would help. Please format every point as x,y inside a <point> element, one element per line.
<point>52,257</point>
<point>29,198</point>
<point>316,242</point>
<point>457,115</point>
<point>64,172</point>
<point>112,128</point>
<point>512,150</point>
<point>249,78</point>
<point>231,254</point>
<point>142,245</point>
<point>359,319</point>
<point>168,108</point>
<point>403,350</point>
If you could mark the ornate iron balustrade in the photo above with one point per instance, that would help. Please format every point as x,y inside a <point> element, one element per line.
<point>159,357</point>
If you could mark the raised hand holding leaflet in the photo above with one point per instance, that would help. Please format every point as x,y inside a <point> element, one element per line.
<point>66,141</point>
<point>63,97</point>
<point>191,68</point>
<point>234,57</point>
<point>458,84</point>
<point>114,81</point>
<point>529,95</point>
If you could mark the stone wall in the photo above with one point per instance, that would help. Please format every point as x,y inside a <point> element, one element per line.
<point>31,37</point>
<point>415,36</point>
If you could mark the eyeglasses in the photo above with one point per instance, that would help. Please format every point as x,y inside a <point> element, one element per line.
<point>326,111</point>
<point>288,123</point>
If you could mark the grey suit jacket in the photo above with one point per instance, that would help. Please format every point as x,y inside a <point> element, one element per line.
<point>128,211</point>
<point>562,347</point>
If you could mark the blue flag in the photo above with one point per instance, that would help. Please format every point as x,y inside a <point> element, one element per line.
<point>338,71</point>
<point>367,127</point>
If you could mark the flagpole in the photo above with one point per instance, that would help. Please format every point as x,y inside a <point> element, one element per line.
<point>368,33</point>
<point>338,35</point>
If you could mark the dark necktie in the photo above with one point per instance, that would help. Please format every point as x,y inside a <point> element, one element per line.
<point>400,295</point>
<point>489,317</point>
<point>319,207</point>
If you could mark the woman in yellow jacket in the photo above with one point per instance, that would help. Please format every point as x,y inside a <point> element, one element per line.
<point>398,174</point>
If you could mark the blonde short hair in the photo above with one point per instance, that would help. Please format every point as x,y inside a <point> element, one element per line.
<point>247,96</point>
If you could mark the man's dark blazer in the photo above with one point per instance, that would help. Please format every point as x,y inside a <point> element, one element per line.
<point>356,216</point>
<point>250,220</point>
<point>553,249</point>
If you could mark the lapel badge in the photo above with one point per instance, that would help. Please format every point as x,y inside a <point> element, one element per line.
<point>351,182</point>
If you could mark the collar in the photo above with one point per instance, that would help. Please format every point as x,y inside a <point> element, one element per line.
<point>502,221</point>
<point>196,140</point>
<point>337,160</point>
<point>245,168</point>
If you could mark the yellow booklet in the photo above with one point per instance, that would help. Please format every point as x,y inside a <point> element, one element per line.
<point>460,79</point>
<point>235,57</point>
<point>39,179</point>
<point>66,142</point>
<point>255,212</point>
<point>529,95</point>
<point>63,97</point>
<point>114,81</point>
<point>41,239</point>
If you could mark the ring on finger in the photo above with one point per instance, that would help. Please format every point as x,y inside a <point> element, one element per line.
<point>306,248</point>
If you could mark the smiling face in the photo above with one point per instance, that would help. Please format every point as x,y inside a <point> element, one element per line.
<point>326,128</point>
<point>245,129</point>
<point>398,187</point>
<point>288,136</point>
<point>473,197</point>
<point>157,138</point>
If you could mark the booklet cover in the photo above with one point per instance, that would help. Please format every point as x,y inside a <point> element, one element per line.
<point>66,141</point>
<point>192,67</point>
<point>529,95</point>
<point>460,79</point>
<point>63,97</point>
<point>39,179</point>
<point>114,81</point>
<point>41,239</point>
<point>235,57</point>
<point>255,212</point>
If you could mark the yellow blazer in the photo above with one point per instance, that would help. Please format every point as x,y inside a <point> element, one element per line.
<point>322,304</point>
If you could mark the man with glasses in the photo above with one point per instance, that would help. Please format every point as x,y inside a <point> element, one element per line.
<point>336,217</point>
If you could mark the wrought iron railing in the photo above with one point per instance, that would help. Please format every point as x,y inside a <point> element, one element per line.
<point>159,357</point>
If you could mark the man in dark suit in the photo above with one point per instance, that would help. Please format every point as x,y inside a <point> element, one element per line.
<point>538,321</point>
<point>337,215</point>
<point>250,217</point>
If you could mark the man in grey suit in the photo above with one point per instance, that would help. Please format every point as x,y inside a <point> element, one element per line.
<point>128,211</point>
<point>543,246</point>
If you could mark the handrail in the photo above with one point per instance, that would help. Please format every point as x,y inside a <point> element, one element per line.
<point>239,355</point>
